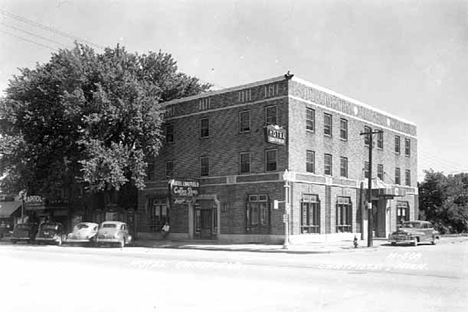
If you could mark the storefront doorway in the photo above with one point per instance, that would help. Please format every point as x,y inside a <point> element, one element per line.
<point>205,219</point>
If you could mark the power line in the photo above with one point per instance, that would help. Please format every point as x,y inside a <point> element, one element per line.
<point>31,41</point>
<point>35,35</point>
<point>56,31</point>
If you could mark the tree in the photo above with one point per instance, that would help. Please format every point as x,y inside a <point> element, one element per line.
<point>87,118</point>
<point>444,200</point>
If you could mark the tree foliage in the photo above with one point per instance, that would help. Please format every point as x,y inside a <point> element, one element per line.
<point>444,200</point>
<point>87,118</point>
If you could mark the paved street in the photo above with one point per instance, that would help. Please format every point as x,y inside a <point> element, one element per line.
<point>52,278</point>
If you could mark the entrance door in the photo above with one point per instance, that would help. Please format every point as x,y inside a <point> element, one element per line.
<point>205,220</point>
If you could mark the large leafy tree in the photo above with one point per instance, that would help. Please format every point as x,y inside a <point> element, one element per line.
<point>444,200</point>
<point>87,118</point>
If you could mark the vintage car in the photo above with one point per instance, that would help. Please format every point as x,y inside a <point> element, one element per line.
<point>84,232</point>
<point>24,232</point>
<point>51,232</point>
<point>414,232</point>
<point>113,232</point>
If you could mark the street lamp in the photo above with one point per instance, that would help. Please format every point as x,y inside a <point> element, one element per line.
<point>287,208</point>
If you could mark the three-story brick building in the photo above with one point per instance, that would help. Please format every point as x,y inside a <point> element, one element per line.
<point>233,146</point>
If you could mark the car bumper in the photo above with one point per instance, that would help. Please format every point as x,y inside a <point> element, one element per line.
<point>78,240</point>
<point>108,240</point>
<point>47,239</point>
<point>401,240</point>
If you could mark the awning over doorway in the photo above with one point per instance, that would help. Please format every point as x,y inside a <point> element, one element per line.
<point>381,189</point>
<point>8,208</point>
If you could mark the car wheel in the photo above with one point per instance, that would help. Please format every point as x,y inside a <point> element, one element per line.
<point>59,242</point>
<point>122,243</point>
<point>13,242</point>
<point>393,243</point>
<point>434,241</point>
<point>415,242</point>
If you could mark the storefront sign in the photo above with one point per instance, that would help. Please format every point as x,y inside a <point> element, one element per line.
<point>275,134</point>
<point>184,188</point>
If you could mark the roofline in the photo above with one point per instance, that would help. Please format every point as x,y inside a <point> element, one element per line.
<point>296,79</point>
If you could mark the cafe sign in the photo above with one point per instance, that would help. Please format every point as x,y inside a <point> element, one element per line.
<point>184,188</point>
<point>275,134</point>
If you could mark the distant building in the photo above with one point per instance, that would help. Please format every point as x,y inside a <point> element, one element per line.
<point>226,151</point>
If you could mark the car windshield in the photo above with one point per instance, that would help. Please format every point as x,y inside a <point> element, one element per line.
<point>109,226</point>
<point>415,225</point>
<point>49,226</point>
<point>82,226</point>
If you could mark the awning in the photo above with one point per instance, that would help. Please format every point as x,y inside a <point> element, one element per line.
<point>8,208</point>
<point>381,189</point>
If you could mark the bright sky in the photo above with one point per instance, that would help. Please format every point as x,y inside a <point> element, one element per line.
<point>409,58</point>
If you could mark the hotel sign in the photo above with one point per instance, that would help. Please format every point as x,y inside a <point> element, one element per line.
<point>275,134</point>
<point>184,188</point>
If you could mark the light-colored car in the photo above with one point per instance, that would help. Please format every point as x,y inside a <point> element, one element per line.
<point>415,232</point>
<point>84,232</point>
<point>51,232</point>
<point>113,232</point>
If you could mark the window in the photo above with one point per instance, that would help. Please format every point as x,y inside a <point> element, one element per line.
<point>169,170</point>
<point>244,121</point>
<point>402,212</point>
<point>397,176</point>
<point>343,129</point>
<point>397,144</point>
<point>271,90</point>
<point>343,215</point>
<point>271,160</point>
<point>380,171</point>
<point>204,166</point>
<point>408,177</point>
<point>366,170</point>
<point>380,140</point>
<point>150,172</point>
<point>310,214</point>
<point>327,124</point>
<point>157,214</point>
<point>328,164</point>
<point>310,119</point>
<point>270,115</point>
<point>407,147</point>
<point>204,104</point>
<point>204,127</point>
<point>344,167</point>
<point>244,162</point>
<point>257,214</point>
<point>170,111</point>
<point>367,137</point>
<point>169,133</point>
<point>245,96</point>
<point>310,161</point>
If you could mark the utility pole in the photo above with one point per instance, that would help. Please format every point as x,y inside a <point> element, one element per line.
<point>287,209</point>
<point>370,218</point>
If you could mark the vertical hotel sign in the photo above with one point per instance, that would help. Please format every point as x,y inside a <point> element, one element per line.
<point>275,134</point>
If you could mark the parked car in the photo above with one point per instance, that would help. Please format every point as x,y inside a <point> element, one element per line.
<point>6,228</point>
<point>113,232</point>
<point>84,232</point>
<point>51,232</point>
<point>415,232</point>
<point>24,232</point>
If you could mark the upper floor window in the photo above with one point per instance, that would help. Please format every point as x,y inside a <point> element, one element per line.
<point>244,162</point>
<point>170,111</point>
<point>366,170</point>
<point>408,177</point>
<point>328,164</point>
<point>204,166</point>
<point>380,172</point>
<point>204,104</point>
<point>245,96</point>
<point>244,121</point>
<point>310,119</point>
<point>150,171</point>
<point>271,115</point>
<point>271,90</point>
<point>169,170</point>
<point>397,144</point>
<point>327,124</point>
<point>407,147</point>
<point>169,133</point>
<point>397,176</point>
<point>380,140</point>
<point>344,167</point>
<point>204,127</point>
<point>271,162</point>
<point>343,129</point>
<point>367,137</point>
<point>310,161</point>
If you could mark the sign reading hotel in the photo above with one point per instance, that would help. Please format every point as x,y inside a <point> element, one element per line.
<point>275,134</point>
<point>184,188</point>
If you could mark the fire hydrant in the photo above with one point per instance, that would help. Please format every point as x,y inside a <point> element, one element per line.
<point>355,242</point>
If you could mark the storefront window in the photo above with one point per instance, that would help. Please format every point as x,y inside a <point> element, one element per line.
<point>310,214</point>
<point>343,215</point>
<point>258,214</point>
<point>157,214</point>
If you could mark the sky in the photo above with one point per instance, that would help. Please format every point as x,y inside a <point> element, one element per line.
<point>408,58</point>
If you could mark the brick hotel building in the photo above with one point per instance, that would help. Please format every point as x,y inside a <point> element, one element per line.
<point>232,147</point>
